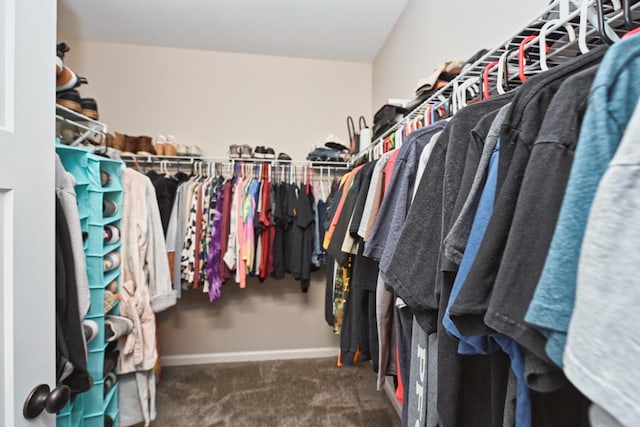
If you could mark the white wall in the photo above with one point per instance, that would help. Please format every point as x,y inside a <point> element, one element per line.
<point>215,99</point>
<point>431,32</point>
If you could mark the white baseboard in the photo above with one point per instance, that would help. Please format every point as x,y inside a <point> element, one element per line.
<point>247,356</point>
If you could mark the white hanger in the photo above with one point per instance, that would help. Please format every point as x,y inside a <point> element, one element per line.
<point>543,40</point>
<point>502,69</point>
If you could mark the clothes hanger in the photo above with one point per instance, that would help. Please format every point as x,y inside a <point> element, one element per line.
<point>485,78</point>
<point>437,105</point>
<point>544,49</point>
<point>503,71</point>
<point>628,21</point>
<point>602,26</point>
<point>322,190</point>
<point>522,57</point>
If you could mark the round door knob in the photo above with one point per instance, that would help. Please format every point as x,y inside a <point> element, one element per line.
<point>42,398</point>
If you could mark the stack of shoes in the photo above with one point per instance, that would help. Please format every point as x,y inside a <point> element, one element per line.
<point>67,81</point>
<point>284,157</point>
<point>264,153</point>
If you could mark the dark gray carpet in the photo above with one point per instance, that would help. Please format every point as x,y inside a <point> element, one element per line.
<point>308,392</point>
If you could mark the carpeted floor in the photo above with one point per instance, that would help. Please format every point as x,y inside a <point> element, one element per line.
<point>309,392</point>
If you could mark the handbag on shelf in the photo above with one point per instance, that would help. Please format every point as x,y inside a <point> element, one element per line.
<point>359,136</point>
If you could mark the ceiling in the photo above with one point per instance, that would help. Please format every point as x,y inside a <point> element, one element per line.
<point>342,30</point>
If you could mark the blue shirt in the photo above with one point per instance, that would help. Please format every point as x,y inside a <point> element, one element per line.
<point>495,341</point>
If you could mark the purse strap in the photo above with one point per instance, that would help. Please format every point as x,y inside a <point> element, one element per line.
<point>351,128</point>
<point>362,120</point>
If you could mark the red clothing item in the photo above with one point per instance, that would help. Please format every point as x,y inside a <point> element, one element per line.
<point>346,183</point>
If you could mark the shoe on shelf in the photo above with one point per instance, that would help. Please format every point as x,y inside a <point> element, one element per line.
<point>160,144</point>
<point>111,261</point>
<point>260,152</point>
<point>109,380</point>
<point>194,151</point>
<point>145,146</point>
<point>284,157</point>
<point>269,153</point>
<point>116,327</point>
<point>113,286</point>
<point>171,149</point>
<point>182,150</point>
<point>70,99</point>
<point>235,151</point>
<point>111,354</point>
<point>59,67</point>
<point>61,49</point>
<point>131,145</point>
<point>109,207</point>
<point>115,141</point>
<point>66,79</point>
<point>89,108</point>
<point>247,152</point>
<point>90,329</point>
<point>109,301</point>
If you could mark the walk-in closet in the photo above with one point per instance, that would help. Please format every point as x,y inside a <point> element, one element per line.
<point>319,213</point>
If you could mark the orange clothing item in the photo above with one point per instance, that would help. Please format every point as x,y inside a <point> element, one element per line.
<point>345,183</point>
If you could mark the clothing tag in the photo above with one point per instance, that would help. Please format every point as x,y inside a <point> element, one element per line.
<point>400,303</point>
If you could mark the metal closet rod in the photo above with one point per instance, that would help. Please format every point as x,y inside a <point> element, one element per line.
<point>194,159</point>
<point>476,69</point>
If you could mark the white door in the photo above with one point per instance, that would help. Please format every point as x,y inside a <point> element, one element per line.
<point>27,205</point>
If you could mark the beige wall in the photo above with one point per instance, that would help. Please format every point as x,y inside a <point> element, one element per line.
<point>215,99</point>
<point>273,315</point>
<point>429,33</point>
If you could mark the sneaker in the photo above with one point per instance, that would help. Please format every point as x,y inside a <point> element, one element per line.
<point>260,152</point>
<point>109,208</point>
<point>246,152</point>
<point>105,178</point>
<point>235,151</point>
<point>182,150</point>
<point>116,327</point>
<point>90,329</point>
<point>111,261</point>
<point>284,156</point>
<point>66,79</point>
<point>269,153</point>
